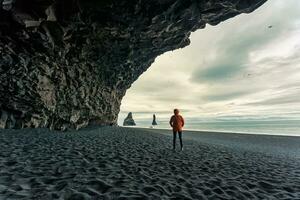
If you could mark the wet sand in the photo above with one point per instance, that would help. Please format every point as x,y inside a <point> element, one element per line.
<point>126,163</point>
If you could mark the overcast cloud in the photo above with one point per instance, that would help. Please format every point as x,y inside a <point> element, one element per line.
<point>246,67</point>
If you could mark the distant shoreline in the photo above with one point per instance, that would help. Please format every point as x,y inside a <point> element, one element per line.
<point>217,132</point>
<point>277,145</point>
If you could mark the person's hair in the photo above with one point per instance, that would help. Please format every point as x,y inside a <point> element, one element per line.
<point>176,110</point>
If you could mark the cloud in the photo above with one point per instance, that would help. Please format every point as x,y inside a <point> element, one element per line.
<point>238,40</point>
<point>284,96</point>
<point>225,96</point>
<point>279,100</point>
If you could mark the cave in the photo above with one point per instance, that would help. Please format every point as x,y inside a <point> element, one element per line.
<point>66,64</point>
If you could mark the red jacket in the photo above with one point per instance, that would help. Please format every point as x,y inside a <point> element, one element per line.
<point>177,122</point>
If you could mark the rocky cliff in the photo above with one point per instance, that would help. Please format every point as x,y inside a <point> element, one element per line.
<point>68,63</point>
<point>129,121</point>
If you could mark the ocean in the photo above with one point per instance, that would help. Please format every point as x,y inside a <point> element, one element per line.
<point>270,127</point>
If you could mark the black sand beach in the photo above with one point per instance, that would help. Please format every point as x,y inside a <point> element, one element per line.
<point>125,163</point>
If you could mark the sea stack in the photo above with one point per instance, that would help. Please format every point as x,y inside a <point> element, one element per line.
<point>129,121</point>
<point>154,123</point>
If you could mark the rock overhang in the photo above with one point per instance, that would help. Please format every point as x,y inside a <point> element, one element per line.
<point>68,63</point>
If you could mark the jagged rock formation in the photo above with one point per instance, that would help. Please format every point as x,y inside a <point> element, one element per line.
<point>68,63</point>
<point>129,121</point>
<point>154,123</point>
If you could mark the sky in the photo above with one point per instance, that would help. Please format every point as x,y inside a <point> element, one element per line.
<point>247,67</point>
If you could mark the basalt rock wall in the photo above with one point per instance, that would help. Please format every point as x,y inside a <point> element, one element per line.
<point>68,63</point>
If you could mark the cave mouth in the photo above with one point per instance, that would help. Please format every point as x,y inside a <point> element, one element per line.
<point>257,94</point>
<point>67,64</point>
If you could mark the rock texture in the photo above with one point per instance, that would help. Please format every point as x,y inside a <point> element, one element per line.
<point>129,121</point>
<point>68,63</point>
<point>154,123</point>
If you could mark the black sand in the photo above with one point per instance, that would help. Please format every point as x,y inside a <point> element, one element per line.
<point>123,163</point>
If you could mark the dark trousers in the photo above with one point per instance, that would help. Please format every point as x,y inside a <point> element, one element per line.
<point>174,138</point>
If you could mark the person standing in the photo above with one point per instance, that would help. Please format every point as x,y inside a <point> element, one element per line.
<point>177,123</point>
